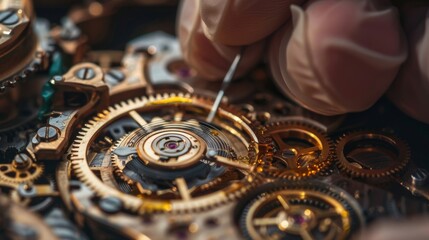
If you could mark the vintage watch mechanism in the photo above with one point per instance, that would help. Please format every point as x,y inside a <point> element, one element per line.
<point>300,150</point>
<point>160,154</point>
<point>299,210</point>
<point>371,154</point>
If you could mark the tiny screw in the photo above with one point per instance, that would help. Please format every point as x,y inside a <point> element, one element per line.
<point>85,73</point>
<point>25,190</point>
<point>110,204</point>
<point>211,154</point>
<point>47,133</point>
<point>114,76</point>
<point>21,160</point>
<point>58,78</point>
<point>9,17</point>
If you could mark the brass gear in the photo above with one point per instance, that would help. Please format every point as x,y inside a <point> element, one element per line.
<point>371,154</point>
<point>204,199</point>
<point>298,210</point>
<point>21,42</point>
<point>115,163</point>
<point>14,174</point>
<point>301,150</point>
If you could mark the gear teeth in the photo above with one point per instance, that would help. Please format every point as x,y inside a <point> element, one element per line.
<point>114,160</point>
<point>380,174</point>
<point>82,171</point>
<point>19,178</point>
<point>322,196</point>
<point>327,149</point>
<point>36,64</point>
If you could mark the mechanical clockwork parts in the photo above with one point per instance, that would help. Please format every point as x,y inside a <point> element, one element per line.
<point>17,222</point>
<point>298,210</point>
<point>371,154</point>
<point>21,170</point>
<point>21,50</point>
<point>300,150</point>
<point>171,159</point>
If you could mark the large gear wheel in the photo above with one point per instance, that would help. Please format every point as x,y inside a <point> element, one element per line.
<point>371,154</point>
<point>172,160</point>
<point>301,150</point>
<point>298,210</point>
<point>21,41</point>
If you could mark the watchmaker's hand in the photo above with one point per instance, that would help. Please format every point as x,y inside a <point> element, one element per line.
<point>416,229</point>
<point>330,56</point>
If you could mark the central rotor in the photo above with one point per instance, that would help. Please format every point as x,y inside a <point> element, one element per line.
<point>171,149</point>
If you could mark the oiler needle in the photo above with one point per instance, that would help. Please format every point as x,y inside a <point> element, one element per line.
<point>225,83</point>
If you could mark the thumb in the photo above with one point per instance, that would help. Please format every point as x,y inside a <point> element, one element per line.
<point>334,59</point>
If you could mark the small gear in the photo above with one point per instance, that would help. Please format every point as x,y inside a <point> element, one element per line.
<point>298,210</point>
<point>12,143</point>
<point>116,164</point>
<point>300,150</point>
<point>371,154</point>
<point>21,170</point>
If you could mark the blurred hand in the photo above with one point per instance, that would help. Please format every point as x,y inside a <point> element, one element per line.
<point>330,56</point>
<point>416,229</point>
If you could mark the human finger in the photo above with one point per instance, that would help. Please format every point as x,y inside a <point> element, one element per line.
<point>417,229</point>
<point>211,60</point>
<point>410,91</point>
<point>333,58</point>
<point>243,22</point>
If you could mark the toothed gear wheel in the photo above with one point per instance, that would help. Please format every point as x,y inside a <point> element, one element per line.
<point>301,150</point>
<point>11,144</point>
<point>298,210</point>
<point>25,40</point>
<point>371,154</point>
<point>172,160</point>
<point>10,173</point>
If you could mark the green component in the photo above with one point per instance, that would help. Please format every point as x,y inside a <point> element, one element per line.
<point>47,95</point>
<point>57,68</point>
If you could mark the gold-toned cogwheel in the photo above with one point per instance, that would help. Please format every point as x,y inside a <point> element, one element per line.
<point>371,154</point>
<point>172,163</point>
<point>21,170</point>
<point>299,210</point>
<point>22,51</point>
<point>301,150</point>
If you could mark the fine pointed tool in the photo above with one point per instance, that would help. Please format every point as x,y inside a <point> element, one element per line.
<point>225,83</point>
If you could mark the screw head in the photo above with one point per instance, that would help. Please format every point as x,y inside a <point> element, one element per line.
<point>211,154</point>
<point>58,78</point>
<point>110,204</point>
<point>114,76</point>
<point>85,73</point>
<point>419,176</point>
<point>9,17</point>
<point>21,160</point>
<point>25,190</point>
<point>47,133</point>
